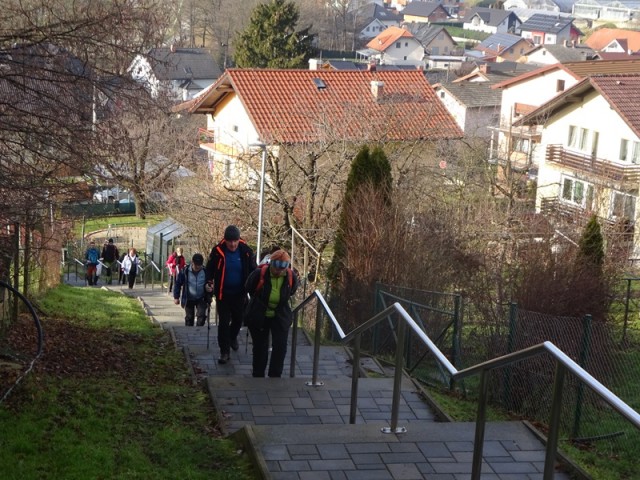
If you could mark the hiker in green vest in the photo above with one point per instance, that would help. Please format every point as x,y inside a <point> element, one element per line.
<point>268,313</point>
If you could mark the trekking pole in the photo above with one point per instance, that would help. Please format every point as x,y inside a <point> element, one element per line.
<point>208,323</point>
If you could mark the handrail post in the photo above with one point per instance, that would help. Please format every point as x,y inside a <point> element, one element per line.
<point>316,347</point>
<point>481,420</point>
<point>554,422</point>
<point>294,346</point>
<point>397,379</point>
<point>355,374</point>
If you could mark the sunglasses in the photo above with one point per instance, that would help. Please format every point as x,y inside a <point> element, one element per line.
<point>279,263</point>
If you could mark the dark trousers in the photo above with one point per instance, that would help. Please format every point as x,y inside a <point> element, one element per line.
<point>131,278</point>
<point>108,272</point>
<point>91,274</point>
<point>229,320</point>
<point>195,308</point>
<point>260,338</point>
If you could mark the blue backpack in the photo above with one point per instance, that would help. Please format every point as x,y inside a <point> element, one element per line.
<point>92,255</point>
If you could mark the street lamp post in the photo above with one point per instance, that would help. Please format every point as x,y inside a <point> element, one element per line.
<point>261,205</point>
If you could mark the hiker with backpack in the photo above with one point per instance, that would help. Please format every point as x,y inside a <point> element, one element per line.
<point>91,257</point>
<point>175,263</point>
<point>230,263</point>
<point>131,265</point>
<point>110,256</point>
<point>192,291</point>
<point>268,313</point>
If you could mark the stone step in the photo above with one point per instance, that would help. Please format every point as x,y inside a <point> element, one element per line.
<point>428,450</point>
<point>244,401</point>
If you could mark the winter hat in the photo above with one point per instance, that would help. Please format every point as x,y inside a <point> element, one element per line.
<point>197,259</point>
<point>232,233</point>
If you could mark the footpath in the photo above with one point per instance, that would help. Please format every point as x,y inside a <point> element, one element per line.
<point>300,432</point>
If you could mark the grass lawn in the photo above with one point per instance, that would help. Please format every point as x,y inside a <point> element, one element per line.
<point>100,223</point>
<point>110,398</point>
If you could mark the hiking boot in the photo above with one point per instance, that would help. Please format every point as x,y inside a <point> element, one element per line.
<point>234,345</point>
<point>224,358</point>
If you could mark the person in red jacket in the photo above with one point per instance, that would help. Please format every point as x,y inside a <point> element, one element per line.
<point>175,263</point>
<point>228,267</point>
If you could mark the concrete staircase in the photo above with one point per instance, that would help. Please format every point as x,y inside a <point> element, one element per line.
<point>302,432</point>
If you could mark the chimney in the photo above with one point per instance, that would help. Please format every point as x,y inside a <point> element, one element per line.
<point>377,89</point>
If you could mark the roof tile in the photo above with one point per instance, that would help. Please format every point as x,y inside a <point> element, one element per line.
<point>287,106</point>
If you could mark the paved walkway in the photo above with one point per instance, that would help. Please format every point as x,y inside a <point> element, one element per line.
<point>302,432</point>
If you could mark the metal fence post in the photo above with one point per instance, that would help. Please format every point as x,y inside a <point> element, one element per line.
<point>455,340</point>
<point>513,323</point>
<point>582,361</point>
<point>626,312</point>
<point>376,330</point>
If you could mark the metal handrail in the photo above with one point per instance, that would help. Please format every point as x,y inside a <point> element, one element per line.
<point>562,361</point>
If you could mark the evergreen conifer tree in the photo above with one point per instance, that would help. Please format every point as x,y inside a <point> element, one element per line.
<point>592,244</point>
<point>367,168</point>
<point>271,39</point>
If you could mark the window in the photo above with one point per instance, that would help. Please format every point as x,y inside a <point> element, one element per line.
<point>235,128</point>
<point>624,149</point>
<point>629,151</point>
<point>398,44</point>
<point>520,144</point>
<point>584,135</point>
<point>511,50</point>
<point>623,205</point>
<point>577,192</point>
<point>560,86</point>
<point>582,139</point>
<point>537,39</point>
<point>406,44</point>
<point>405,57</point>
<point>227,168</point>
<point>571,141</point>
<point>441,93</point>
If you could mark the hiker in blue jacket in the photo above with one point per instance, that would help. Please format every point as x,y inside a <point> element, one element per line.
<point>192,291</point>
<point>269,313</point>
<point>91,260</point>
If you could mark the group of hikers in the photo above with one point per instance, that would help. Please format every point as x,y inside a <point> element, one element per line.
<point>244,292</point>
<point>109,261</point>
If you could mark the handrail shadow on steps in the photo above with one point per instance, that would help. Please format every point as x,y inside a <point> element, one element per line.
<point>562,361</point>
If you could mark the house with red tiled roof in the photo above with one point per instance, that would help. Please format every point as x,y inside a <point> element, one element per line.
<point>396,46</point>
<point>614,40</point>
<point>520,95</point>
<point>287,108</point>
<point>591,164</point>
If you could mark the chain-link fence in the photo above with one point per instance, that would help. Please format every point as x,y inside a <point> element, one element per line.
<point>525,389</point>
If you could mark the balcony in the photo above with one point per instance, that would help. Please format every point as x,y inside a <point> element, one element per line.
<point>595,166</point>
<point>205,136</point>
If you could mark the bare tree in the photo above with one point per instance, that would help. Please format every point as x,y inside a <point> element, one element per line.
<point>56,60</point>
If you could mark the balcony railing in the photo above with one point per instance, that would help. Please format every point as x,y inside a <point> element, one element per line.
<point>205,136</point>
<point>590,164</point>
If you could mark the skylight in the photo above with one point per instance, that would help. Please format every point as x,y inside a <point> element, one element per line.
<point>319,83</point>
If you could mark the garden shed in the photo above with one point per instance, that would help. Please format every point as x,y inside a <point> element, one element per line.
<point>163,238</point>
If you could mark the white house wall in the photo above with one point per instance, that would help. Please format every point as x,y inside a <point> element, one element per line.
<point>409,52</point>
<point>595,114</point>
<point>534,91</point>
<point>456,109</point>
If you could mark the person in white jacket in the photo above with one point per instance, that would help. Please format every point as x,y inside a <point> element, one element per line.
<point>131,266</point>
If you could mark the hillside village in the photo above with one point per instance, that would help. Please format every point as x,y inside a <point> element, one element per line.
<point>497,145</point>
